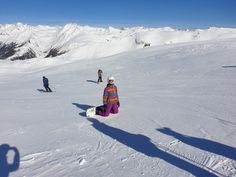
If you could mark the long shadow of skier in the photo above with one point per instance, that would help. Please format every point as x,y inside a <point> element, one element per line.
<point>92,81</point>
<point>229,66</point>
<point>143,145</point>
<point>5,168</point>
<point>84,107</point>
<point>203,144</point>
<point>41,90</point>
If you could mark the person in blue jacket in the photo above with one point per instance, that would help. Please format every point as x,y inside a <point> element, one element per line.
<point>46,84</point>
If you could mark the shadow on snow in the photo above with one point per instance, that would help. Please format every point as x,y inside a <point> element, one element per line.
<point>144,145</point>
<point>41,90</point>
<point>92,81</point>
<point>84,107</point>
<point>203,144</point>
<point>5,167</point>
<point>229,66</point>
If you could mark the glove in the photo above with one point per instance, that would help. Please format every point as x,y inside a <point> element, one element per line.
<point>118,104</point>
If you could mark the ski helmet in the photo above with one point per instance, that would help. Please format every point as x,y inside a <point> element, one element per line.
<point>110,78</point>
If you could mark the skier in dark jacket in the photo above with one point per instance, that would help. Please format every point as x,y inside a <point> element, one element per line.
<point>46,84</point>
<point>99,76</point>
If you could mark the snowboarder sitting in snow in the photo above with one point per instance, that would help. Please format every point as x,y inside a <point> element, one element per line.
<point>99,76</point>
<point>110,99</point>
<point>46,84</point>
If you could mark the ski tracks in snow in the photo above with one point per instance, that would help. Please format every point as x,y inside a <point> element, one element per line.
<point>47,162</point>
<point>218,165</point>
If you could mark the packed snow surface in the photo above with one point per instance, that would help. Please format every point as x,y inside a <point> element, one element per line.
<point>177,114</point>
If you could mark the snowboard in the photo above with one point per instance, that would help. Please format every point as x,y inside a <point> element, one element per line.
<point>90,112</point>
<point>44,91</point>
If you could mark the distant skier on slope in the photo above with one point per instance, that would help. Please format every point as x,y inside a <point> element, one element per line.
<point>110,99</point>
<point>99,76</point>
<point>46,84</point>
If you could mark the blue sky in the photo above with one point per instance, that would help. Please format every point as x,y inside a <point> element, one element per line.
<point>150,13</point>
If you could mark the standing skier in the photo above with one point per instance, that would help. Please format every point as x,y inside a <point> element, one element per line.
<point>99,76</point>
<point>110,99</point>
<point>46,84</point>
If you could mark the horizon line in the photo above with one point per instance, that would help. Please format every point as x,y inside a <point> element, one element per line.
<point>116,25</point>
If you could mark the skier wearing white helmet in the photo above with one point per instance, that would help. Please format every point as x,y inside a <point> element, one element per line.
<point>110,99</point>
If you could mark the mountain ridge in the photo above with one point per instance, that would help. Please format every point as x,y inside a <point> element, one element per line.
<point>21,41</point>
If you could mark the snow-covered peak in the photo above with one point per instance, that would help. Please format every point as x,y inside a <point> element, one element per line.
<point>76,41</point>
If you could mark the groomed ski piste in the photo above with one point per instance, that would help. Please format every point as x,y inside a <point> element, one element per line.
<point>177,114</point>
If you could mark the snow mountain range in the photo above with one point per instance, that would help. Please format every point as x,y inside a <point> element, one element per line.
<point>20,41</point>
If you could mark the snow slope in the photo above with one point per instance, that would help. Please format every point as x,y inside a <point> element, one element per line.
<point>177,115</point>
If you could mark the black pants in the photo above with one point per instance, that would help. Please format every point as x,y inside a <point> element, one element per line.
<point>100,79</point>
<point>100,108</point>
<point>47,88</point>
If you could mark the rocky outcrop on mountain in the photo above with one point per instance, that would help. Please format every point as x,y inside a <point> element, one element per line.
<point>28,55</point>
<point>11,50</point>
<point>54,53</point>
<point>7,50</point>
